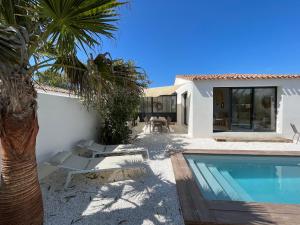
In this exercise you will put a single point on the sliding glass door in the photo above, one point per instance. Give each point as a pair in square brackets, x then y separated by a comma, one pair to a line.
[241, 106]
[264, 114]
[245, 109]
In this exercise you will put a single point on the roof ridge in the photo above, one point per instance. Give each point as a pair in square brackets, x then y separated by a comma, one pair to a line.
[236, 76]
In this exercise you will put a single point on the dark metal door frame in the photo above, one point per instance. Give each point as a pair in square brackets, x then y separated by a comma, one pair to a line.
[252, 116]
[184, 108]
[251, 105]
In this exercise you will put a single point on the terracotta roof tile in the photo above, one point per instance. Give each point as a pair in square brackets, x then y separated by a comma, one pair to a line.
[238, 76]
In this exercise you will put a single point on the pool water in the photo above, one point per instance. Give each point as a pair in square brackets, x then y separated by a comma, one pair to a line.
[247, 178]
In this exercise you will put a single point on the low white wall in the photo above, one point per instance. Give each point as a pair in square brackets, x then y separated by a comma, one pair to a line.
[63, 121]
[288, 107]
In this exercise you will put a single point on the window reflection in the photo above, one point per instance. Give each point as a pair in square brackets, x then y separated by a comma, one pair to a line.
[161, 104]
[158, 104]
[264, 116]
[244, 109]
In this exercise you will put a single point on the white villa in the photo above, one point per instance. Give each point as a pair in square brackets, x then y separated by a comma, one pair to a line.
[229, 104]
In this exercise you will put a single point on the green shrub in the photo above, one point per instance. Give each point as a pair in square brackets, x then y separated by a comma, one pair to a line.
[120, 102]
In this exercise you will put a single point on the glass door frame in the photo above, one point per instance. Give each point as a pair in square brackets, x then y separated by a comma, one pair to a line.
[185, 108]
[252, 106]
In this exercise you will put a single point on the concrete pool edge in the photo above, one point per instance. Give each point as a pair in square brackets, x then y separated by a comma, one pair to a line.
[196, 210]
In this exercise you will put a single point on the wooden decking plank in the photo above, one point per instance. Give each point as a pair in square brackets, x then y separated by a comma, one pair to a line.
[249, 206]
[241, 152]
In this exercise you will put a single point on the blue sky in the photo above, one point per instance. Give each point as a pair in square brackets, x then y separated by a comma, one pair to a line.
[169, 37]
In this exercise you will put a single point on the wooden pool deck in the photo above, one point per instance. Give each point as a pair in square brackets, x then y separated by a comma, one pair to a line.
[198, 211]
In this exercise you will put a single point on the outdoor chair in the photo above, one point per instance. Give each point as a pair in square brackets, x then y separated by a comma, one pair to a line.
[147, 122]
[169, 120]
[296, 132]
[158, 125]
[131, 165]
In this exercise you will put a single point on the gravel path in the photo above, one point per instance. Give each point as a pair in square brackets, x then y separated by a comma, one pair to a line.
[148, 200]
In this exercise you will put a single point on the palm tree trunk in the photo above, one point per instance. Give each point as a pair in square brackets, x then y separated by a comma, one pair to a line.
[20, 194]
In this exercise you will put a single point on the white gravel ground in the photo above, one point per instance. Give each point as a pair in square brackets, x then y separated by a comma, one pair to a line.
[148, 200]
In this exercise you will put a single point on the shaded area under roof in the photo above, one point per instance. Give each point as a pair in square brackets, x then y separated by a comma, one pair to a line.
[158, 91]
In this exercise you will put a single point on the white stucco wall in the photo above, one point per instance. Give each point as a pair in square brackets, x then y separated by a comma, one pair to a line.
[186, 88]
[180, 81]
[201, 109]
[63, 121]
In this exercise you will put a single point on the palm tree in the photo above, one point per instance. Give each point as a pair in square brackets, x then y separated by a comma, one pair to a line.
[36, 34]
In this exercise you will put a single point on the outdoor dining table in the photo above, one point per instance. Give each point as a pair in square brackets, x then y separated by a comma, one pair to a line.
[159, 120]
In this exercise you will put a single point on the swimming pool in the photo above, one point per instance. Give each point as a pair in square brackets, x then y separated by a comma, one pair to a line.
[247, 178]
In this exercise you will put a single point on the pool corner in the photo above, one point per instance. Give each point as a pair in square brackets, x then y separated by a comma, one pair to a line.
[197, 210]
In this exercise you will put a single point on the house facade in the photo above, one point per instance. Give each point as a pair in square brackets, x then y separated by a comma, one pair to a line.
[229, 104]
[239, 103]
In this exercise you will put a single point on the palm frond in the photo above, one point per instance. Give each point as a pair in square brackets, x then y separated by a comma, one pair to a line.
[52, 32]
[13, 48]
[78, 23]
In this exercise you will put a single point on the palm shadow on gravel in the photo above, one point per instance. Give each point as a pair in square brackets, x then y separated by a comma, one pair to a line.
[151, 199]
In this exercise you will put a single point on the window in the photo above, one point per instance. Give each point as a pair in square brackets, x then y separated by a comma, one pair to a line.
[167, 104]
[241, 108]
[145, 106]
[158, 104]
[264, 115]
[173, 104]
[161, 104]
[148, 108]
[244, 109]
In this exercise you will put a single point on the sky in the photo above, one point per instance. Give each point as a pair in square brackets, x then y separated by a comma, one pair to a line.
[170, 37]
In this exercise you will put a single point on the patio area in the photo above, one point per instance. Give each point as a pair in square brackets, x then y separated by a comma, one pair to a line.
[149, 200]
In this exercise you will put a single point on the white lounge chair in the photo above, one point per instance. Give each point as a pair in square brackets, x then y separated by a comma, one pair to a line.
[81, 165]
[94, 150]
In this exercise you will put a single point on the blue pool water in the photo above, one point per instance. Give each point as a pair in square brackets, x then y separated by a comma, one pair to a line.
[247, 178]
